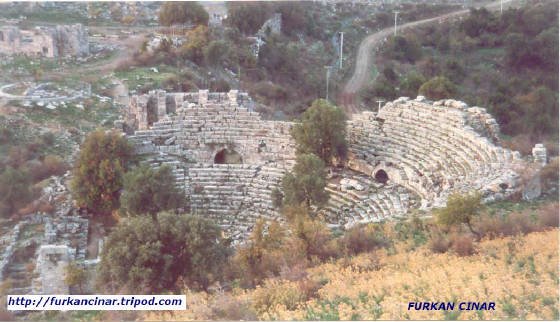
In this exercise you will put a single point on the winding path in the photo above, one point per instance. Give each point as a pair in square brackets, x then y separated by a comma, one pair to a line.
[348, 99]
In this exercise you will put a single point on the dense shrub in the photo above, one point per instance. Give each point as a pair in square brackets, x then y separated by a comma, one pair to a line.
[410, 84]
[227, 307]
[438, 88]
[171, 13]
[146, 256]
[315, 238]
[462, 245]
[52, 165]
[548, 215]
[147, 191]
[495, 226]
[215, 52]
[247, 17]
[362, 238]
[220, 85]
[403, 49]
[439, 243]
[549, 174]
[460, 209]
[269, 92]
[193, 49]
[274, 293]
[262, 255]
[15, 191]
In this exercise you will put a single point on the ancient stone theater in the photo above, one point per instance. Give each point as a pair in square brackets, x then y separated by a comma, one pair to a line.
[411, 154]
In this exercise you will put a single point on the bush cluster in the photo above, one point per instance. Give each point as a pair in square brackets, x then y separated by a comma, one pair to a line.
[27, 162]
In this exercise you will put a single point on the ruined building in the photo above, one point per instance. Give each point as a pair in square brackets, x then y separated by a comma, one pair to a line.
[412, 154]
[59, 41]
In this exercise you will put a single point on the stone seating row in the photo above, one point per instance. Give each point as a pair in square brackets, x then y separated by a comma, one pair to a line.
[376, 202]
[233, 195]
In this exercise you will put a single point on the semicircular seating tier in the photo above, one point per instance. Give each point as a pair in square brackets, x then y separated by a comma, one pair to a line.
[432, 148]
[224, 156]
[412, 154]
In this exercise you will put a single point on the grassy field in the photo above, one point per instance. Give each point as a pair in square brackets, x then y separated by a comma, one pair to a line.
[51, 15]
[144, 77]
[88, 116]
[519, 274]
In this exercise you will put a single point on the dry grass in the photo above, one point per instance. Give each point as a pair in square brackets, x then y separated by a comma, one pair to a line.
[515, 272]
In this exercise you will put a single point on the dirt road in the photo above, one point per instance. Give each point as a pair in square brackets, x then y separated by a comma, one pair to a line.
[349, 97]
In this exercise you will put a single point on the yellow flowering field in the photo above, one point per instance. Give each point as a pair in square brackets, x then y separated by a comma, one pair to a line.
[519, 274]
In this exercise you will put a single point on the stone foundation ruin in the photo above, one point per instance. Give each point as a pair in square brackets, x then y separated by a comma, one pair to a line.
[411, 154]
[58, 41]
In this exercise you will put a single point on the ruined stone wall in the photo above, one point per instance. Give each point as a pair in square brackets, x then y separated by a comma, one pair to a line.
[143, 110]
[199, 133]
[70, 40]
[271, 26]
[62, 40]
[187, 131]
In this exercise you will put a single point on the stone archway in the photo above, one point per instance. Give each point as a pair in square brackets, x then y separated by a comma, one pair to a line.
[381, 176]
[226, 156]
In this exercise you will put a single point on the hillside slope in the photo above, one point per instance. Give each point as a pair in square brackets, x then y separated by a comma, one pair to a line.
[519, 274]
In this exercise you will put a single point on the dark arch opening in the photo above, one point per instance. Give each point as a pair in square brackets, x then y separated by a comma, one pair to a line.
[381, 176]
[226, 156]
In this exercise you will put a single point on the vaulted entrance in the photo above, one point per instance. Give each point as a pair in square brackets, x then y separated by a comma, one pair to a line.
[381, 176]
[226, 156]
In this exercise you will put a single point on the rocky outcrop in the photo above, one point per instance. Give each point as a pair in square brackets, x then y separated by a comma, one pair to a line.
[58, 41]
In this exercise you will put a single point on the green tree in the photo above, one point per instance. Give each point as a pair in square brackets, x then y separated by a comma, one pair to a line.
[75, 276]
[460, 209]
[215, 52]
[15, 190]
[193, 48]
[306, 183]
[148, 191]
[294, 18]
[547, 43]
[438, 88]
[404, 49]
[247, 17]
[411, 83]
[541, 107]
[146, 258]
[99, 171]
[180, 12]
[281, 58]
[519, 52]
[454, 70]
[383, 89]
[478, 22]
[322, 131]
[390, 74]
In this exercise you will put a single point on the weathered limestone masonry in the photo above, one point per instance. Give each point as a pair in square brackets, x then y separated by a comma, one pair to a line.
[59, 41]
[51, 266]
[194, 133]
[412, 154]
[433, 149]
[271, 26]
[539, 154]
